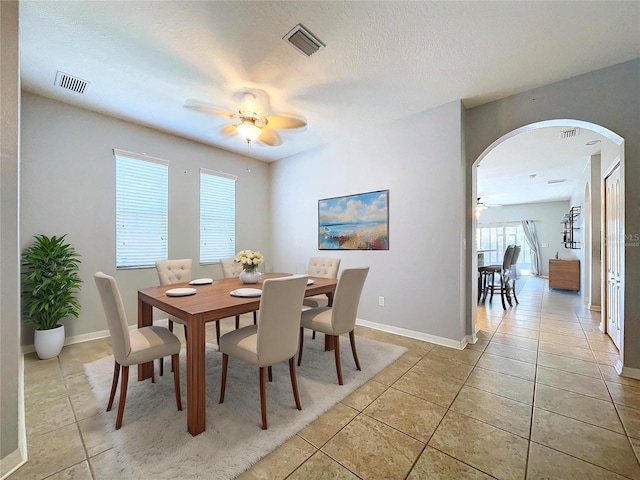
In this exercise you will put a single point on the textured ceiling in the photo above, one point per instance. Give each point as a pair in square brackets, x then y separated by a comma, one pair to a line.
[383, 61]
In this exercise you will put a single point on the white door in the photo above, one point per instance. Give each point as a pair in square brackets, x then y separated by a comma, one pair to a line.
[613, 245]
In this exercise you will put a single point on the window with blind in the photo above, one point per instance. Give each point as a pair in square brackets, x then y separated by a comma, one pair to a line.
[142, 204]
[496, 237]
[217, 216]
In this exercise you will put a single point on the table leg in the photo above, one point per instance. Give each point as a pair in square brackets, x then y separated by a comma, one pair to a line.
[196, 392]
[145, 319]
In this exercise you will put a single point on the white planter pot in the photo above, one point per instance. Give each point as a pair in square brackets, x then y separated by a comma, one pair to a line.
[250, 277]
[49, 343]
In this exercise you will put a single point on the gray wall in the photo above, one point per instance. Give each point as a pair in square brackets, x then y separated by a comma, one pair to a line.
[609, 98]
[10, 255]
[68, 187]
[422, 274]
[546, 217]
[588, 197]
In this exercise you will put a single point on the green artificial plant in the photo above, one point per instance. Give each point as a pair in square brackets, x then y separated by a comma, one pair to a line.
[50, 281]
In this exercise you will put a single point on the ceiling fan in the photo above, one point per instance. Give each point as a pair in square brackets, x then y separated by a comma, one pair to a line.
[480, 205]
[249, 121]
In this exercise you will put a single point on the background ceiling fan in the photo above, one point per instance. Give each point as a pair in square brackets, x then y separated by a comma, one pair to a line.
[250, 120]
[480, 205]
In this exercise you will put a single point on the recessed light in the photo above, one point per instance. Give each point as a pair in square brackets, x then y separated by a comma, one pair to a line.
[533, 175]
[558, 180]
[592, 142]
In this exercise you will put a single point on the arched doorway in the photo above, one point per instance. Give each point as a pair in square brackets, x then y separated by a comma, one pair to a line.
[611, 149]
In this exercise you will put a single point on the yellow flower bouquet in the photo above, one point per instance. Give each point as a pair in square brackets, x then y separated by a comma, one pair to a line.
[249, 260]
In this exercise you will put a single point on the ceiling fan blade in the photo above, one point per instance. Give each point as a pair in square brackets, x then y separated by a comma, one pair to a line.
[269, 137]
[282, 121]
[194, 104]
[228, 130]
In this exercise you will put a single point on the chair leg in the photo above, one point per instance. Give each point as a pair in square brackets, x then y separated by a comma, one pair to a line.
[513, 289]
[237, 322]
[301, 343]
[161, 360]
[218, 332]
[502, 290]
[114, 385]
[175, 366]
[313, 335]
[223, 382]
[123, 396]
[493, 283]
[255, 317]
[337, 355]
[185, 332]
[352, 339]
[294, 382]
[270, 373]
[263, 399]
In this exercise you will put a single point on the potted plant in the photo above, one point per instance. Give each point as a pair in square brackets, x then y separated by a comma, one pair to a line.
[50, 281]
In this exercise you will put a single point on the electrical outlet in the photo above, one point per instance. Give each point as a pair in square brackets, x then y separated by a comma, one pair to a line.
[381, 301]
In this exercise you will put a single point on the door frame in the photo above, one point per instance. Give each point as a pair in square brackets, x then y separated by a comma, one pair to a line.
[603, 292]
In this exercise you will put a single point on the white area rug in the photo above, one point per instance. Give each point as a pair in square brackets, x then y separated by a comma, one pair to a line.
[154, 443]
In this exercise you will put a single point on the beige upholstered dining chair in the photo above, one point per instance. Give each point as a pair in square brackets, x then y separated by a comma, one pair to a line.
[231, 269]
[133, 347]
[325, 268]
[174, 271]
[170, 272]
[273, 340]
[339, 319]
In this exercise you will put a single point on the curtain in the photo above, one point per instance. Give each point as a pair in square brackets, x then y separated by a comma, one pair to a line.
[532, 239]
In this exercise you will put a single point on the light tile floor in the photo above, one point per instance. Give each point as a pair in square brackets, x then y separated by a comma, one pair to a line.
[536, 397]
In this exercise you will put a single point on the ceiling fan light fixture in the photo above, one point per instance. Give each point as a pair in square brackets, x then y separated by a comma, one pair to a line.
[248, 130]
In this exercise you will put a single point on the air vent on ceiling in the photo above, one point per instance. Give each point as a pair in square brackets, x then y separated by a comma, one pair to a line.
[75, 84]
[303, 40]
[574, 132]
[558, 180]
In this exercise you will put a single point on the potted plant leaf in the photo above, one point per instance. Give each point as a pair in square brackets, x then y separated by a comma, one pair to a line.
[50, 281]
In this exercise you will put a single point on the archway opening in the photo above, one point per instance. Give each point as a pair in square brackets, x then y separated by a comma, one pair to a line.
[610, 146]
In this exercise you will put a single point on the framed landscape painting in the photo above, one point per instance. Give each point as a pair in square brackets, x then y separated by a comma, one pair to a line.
[354, 222]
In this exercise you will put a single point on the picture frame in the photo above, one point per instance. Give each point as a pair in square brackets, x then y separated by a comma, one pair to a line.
[354, 222]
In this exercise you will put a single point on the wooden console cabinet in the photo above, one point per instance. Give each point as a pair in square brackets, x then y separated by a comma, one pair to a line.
[564, 274]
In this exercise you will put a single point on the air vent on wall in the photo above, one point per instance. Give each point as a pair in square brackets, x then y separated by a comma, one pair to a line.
[574, 132]
[557, 180]
[303, 40]
[75, 84]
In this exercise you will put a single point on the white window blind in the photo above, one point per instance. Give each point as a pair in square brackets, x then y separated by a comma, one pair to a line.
[217, 216]
[142, 185]
[496, 237]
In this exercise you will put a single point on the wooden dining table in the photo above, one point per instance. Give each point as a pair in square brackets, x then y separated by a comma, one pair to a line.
[210, 303]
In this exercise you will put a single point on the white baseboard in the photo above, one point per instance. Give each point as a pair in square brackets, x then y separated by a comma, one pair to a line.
[79, 338]
[595, 308]
[11, 463]
[627, 371]
[445, 342]
[14, 460]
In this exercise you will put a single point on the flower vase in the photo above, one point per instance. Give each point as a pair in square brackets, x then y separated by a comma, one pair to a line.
[250, 276]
